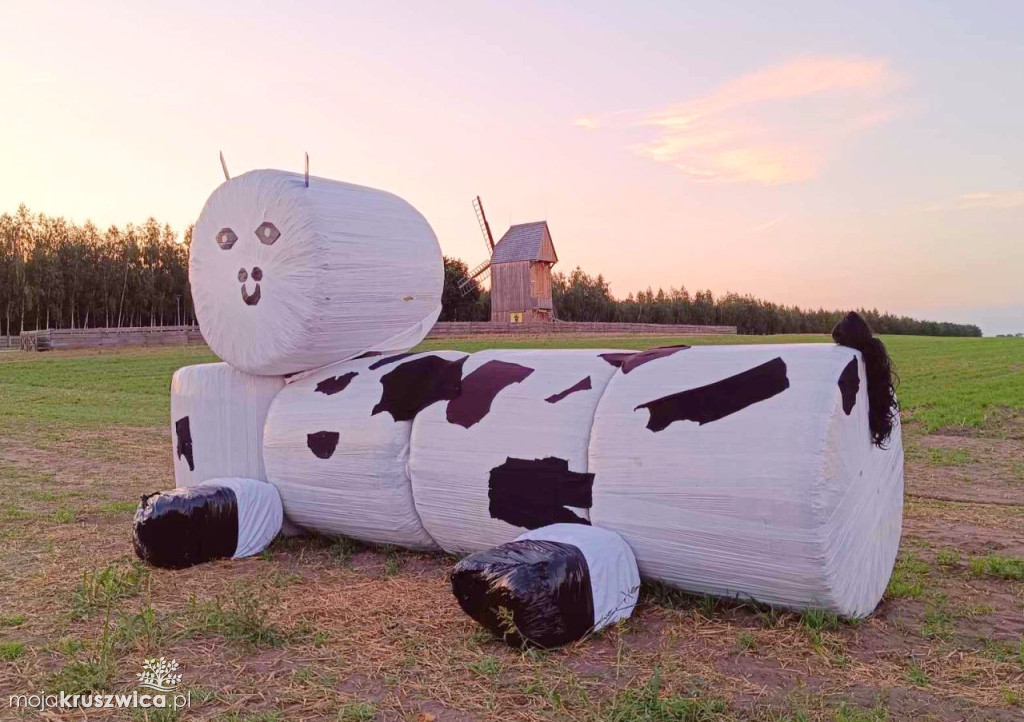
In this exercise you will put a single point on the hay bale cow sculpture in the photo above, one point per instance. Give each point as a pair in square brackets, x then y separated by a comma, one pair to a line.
[773, 473]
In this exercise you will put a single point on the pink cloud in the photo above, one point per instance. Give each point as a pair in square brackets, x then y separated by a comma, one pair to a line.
[772, 126]
[993, 200]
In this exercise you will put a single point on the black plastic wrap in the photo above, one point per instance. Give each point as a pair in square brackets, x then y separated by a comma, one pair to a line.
[544, 585]
[184, 527]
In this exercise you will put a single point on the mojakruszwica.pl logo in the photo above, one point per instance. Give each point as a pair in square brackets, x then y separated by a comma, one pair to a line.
[159, 675]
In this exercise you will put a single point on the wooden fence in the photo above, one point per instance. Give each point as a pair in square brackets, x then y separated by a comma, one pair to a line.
[458, 329]
[67, 338]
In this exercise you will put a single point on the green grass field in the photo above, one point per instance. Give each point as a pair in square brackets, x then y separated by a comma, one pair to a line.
[320, 628]
[945, 382]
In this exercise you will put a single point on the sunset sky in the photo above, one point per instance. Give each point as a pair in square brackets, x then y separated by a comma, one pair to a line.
[823, 154]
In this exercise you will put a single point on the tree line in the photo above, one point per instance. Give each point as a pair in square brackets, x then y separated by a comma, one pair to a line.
[58, 274]
[578, 296]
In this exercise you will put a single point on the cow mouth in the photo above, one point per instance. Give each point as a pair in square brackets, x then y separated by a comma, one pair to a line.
[251, 299]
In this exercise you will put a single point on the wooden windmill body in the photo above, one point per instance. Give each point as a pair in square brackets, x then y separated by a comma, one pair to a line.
[520, 271]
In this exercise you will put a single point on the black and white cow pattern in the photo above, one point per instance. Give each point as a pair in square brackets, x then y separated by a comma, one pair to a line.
[745, 480]
[464, 452]
[217, 419]
[337, 444]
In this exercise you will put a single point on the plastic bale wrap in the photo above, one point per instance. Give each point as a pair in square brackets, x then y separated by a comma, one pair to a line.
[341, 468]
[217, 417]
[551, 586]
[217, 519]
[287, 278]
[748, 471]
[510, 453]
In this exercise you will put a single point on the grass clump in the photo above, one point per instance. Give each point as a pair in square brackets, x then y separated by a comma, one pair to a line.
[999, 566]
[948, 557]
[949, 457]
[916, 676]
[64, 515]
[486, 667]
[242, 617]
[14, 620]
[84, 675]
[846, 713]
[10, 651]
[746, 642]
[648, 704]
[356, 712]
[938, 621]
[142, 632]
[156, 714]
[118, 507]
[104, 588]
[908, 577]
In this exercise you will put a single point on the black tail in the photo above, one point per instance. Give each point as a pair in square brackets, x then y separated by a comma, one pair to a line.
[853, 331]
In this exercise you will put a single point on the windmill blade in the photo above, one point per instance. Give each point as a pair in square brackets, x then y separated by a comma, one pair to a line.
[479, 269]
[481, 272]
[485, 227]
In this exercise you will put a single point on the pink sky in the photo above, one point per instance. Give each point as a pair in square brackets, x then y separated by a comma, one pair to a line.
[836, 158]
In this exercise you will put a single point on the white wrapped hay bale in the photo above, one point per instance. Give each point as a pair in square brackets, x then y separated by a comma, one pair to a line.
[217, 416]
[287, 278]
[336, 451]
[749, 471]
[510, 452]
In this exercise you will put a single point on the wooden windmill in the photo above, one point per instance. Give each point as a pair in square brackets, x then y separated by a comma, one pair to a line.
[520, 271]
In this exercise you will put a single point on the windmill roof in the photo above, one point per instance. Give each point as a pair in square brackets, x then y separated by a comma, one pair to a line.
[524, 242]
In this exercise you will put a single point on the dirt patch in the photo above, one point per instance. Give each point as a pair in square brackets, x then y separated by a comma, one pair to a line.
[966, 468]
[375, 631]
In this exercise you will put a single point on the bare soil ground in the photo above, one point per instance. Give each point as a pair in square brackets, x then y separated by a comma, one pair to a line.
[326, 629]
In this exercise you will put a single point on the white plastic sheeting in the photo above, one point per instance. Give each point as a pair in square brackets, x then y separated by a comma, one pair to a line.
[362, 488]
[259, 513]
[225, 411]
[614, 578]
[287, 278]
[451, 464]
[784, 500]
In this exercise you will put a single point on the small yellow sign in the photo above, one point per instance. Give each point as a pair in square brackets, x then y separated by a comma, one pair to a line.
[516, 317]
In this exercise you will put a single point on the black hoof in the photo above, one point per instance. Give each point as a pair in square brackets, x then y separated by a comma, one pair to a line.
[530, 592]
[183, 527]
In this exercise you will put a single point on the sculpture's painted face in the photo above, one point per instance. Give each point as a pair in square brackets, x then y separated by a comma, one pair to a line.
[268, 234]
[288, 277]
[250, 268]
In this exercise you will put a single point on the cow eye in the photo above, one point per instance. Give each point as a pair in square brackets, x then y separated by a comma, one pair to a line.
[267, 233]
[226, 238]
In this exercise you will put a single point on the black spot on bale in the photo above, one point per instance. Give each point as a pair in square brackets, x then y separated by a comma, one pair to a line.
[183, 431]
[480, 388]
[390, 360]
[720, 399]
[335, 384]
[532, 493]
[849, 385]
[629, 361]
[416, 384]
[581, 385]
[323, 443]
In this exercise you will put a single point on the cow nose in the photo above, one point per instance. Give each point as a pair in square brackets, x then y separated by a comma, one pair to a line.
[257, 273]
[242, 275]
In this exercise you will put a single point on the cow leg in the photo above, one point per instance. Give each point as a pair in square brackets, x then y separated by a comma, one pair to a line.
[551, 586]
[217, 519]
